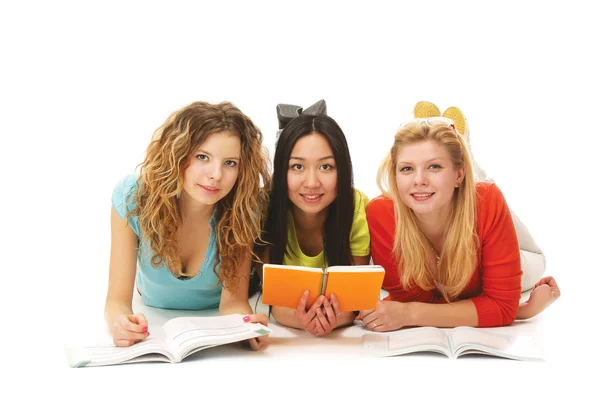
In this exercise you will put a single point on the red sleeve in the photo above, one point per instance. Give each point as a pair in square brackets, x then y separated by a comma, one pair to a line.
[382, 228]
[500, 260]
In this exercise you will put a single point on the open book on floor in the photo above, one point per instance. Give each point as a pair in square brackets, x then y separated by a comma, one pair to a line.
[174, 341]
[357, 287]
[453, 343]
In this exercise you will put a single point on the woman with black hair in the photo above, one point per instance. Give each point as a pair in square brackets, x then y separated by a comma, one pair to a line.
[316, 217]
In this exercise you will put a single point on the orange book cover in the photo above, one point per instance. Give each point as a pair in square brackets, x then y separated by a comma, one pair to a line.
[357, 287]
[284, 285]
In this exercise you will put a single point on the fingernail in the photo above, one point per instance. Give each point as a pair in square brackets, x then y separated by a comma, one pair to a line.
[246, 319]
[147, 333]
[145, 329]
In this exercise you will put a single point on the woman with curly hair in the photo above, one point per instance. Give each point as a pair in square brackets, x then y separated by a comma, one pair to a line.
[189, 220]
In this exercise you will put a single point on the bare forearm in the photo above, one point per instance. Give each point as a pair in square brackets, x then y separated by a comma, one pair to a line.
[114, 308]
[345, 319]
[235, 307]
[286, 316]
[525, 311]
[461, 313]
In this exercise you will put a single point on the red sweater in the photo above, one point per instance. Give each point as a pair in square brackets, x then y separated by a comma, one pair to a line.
[494, 288]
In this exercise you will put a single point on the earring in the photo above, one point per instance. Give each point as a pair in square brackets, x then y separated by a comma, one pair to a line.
[178, 196]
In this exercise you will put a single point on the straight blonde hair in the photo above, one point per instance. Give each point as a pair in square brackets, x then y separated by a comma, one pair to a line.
[459, 255]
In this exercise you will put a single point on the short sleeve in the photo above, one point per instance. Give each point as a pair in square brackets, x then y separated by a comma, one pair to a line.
[360, 239]
[123, 200]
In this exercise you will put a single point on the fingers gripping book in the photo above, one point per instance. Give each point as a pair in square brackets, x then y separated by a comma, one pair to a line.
[357, 287]
[173, 342]
[452, 343]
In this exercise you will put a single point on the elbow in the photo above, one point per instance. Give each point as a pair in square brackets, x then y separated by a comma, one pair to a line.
[508, 313]
[493, 313]
[276, 314]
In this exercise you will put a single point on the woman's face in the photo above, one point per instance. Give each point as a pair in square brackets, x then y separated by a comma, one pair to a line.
[312, 174]
[213, 168]
[426, 177]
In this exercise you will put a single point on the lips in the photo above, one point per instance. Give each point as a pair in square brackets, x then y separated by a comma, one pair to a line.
[422, 196]
[209, 189]
[311, 196]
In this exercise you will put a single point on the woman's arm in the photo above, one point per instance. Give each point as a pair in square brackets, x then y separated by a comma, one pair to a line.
[545, 292]
[126, 328]
[361, 260]
[393, 315]
[235, 301]
[449, 315]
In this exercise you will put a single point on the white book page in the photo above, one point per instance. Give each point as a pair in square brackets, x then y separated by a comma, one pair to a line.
[186, 335]
[294, 267]
[411, 340]
[467, 340]
[109, 354]
[355, 268]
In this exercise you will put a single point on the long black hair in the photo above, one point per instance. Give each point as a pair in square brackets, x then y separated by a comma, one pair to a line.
[338, 223]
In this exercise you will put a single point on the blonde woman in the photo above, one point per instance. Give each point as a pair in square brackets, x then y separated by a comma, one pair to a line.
[189, 220]
[533, 260]
[447, 242]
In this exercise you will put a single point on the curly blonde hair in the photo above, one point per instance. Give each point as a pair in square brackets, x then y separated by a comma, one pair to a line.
[459, 255]
[239, 214]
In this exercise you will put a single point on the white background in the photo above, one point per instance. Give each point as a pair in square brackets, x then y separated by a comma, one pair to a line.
[84, 84]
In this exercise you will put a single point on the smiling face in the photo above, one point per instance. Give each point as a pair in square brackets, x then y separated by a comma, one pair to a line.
[426, 178]
[213, 168]
[312, 174]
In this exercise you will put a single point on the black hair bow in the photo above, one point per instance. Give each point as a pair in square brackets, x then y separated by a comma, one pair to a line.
[287, 112]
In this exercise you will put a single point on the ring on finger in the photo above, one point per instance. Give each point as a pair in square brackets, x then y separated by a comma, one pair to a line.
[375, 324]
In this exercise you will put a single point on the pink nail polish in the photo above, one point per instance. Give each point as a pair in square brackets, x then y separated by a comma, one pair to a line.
[145, 329]
[246, 319]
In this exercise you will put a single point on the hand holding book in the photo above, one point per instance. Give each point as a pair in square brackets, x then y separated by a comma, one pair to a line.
[127, 330]
[320, 318]
[175, 340]
[259, 342]
[356, 287]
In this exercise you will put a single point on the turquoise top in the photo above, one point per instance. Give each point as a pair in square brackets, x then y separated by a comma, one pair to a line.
[158, 286]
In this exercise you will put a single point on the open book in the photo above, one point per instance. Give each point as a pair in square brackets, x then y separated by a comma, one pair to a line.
[453, 343]
[357, 287]
[174, 341]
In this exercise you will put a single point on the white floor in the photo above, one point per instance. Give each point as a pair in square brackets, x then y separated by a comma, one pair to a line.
[298, 365]
[84, 85]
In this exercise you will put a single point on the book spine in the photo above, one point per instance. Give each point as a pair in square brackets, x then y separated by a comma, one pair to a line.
[324, 282]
